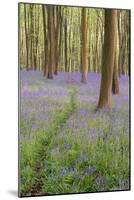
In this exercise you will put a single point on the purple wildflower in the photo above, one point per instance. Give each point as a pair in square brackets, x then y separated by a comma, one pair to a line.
[64, 171]
[88, 170]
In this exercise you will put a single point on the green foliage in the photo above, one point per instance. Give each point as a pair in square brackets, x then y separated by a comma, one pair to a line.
[28, 179]
[34, 152]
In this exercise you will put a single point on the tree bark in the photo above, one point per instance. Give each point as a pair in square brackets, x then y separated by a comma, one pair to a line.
[57, 34]
[31, 36]
[65, 43]
[115, 84]
[26, 35]
[84, 66]
[45, 67]
[105, 98]
[51, 43]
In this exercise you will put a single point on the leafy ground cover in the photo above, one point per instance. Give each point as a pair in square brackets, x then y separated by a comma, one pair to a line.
[67, 147]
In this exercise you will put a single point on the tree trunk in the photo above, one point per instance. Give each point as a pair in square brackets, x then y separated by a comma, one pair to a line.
[26, 35]
[36, 36]
[84, 66]
[31, 36]
[105, 99]
[65, 44]
[115, 84]
[57, 44]
[51, 45]
[45, 67]
[96, 46]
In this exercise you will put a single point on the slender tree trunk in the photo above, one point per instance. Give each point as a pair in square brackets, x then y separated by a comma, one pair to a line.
[31, 36]
[84, 66]
[115, 84]
[128, 41]
[21, 49]
[119, 36]
[122, 41]
[60, 42]
[26, 35]
[45, 67]
[36, 36]
[96, 47]
[105, 99]
[57, 34]
[51, 45]
[65, 45]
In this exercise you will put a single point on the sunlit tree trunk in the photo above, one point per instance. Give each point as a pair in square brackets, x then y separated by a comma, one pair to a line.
[115, 83]
[108, 58]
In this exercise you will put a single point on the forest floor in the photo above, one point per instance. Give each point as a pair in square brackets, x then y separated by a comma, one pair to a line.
[65, 146]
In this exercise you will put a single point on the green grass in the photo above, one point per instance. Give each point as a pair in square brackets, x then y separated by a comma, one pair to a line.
[34, 152]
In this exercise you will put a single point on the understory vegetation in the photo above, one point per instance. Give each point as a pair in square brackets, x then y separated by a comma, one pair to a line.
[67, 147]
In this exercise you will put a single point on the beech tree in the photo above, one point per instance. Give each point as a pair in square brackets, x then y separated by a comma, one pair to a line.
[45, 63]
[51, 42]
[108, 59]
[84, 60]
[115, 83]
[57, 35]
[26, 36]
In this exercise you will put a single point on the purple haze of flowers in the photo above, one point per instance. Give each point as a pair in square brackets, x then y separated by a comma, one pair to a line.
[87, 137]
[83, 112]
[107, 138]
[34, 85]
[43, 116]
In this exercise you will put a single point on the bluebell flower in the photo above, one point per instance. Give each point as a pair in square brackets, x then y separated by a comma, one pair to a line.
[64, 171]
[88, 170]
